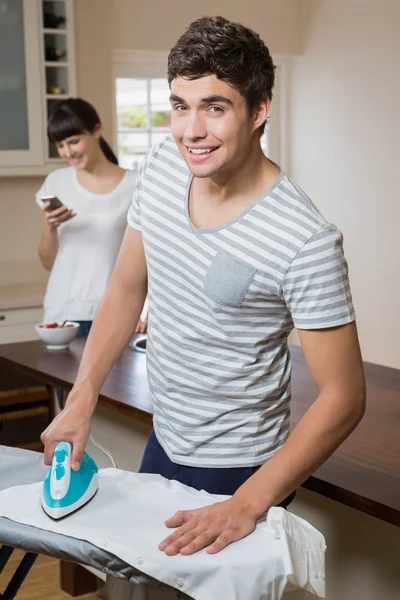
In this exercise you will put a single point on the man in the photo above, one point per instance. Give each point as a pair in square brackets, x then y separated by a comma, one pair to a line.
[232, 255]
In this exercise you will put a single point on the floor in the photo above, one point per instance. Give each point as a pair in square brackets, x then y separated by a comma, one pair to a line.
[42, 582]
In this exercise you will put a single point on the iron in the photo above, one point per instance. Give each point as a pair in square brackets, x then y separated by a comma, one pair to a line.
[65, 490]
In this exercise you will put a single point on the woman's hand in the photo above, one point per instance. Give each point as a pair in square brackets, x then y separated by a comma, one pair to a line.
[141, 327]
[54, 218]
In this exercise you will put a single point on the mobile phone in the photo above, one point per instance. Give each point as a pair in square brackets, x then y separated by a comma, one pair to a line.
[54, 202]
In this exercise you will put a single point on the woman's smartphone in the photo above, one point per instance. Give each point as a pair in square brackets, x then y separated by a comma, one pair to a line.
[54, 202]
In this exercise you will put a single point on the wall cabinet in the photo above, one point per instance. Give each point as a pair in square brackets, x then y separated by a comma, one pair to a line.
[37, 68]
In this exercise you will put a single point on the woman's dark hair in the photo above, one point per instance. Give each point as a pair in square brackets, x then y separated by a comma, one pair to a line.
[232, 52]
[75, 116]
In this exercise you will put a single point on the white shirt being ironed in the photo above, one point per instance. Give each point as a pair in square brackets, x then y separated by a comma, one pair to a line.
[126, 518]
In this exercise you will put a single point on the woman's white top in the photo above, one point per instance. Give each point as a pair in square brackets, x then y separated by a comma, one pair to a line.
[88, 244]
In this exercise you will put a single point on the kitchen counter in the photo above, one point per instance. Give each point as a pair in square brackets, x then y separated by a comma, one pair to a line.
[363, 473]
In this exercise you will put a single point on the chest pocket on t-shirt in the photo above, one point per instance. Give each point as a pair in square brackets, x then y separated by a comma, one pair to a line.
[228, 279]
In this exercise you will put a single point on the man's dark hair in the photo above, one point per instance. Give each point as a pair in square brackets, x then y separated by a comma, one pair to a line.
[232, 52]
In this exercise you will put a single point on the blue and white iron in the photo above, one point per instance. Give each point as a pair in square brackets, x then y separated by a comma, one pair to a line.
[65, 490]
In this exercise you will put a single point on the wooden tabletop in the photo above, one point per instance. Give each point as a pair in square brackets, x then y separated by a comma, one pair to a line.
[363, 473]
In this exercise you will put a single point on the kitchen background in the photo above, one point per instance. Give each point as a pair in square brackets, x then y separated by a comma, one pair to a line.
[335, 129]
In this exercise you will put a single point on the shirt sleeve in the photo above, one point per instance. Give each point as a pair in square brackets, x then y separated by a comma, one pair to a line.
[316, 286]
[134, 219]
[43, 191]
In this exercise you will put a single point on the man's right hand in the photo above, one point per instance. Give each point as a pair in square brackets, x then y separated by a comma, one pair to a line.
[72, 425]
[121, 306]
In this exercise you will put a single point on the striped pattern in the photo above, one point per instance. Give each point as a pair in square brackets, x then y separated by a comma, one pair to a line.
[218, 361]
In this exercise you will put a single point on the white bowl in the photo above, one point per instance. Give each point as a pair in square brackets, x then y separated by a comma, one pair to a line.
[58, 338]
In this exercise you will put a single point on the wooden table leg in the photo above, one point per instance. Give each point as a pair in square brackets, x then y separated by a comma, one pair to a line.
[76, 580]
[52, 402]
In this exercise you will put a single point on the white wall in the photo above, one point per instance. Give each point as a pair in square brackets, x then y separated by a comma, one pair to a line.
[344, 102]
[124, 437]
[94, 43]
[155, 25]
[345, 132]
[362, 557]
[20, 226]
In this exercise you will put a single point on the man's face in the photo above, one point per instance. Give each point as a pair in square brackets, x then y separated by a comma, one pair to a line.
[211, 125]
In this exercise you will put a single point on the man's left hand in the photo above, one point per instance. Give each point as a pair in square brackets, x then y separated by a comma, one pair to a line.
[212, 527]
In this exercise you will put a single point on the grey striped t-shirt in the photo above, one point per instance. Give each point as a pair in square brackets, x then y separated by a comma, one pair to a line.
[222, 303]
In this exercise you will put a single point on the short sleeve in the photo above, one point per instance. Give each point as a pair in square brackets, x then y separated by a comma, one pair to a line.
[43, 191]
[134, 219]
[316, 286]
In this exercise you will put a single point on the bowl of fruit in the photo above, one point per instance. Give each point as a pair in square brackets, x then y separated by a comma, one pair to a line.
[57, 335]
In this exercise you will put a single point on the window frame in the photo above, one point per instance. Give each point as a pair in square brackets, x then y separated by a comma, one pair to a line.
[149, 129]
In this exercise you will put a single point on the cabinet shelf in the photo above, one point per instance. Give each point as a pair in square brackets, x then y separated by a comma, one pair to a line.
[55, 31]
[59, 75]
[56, 63]
[56, 96]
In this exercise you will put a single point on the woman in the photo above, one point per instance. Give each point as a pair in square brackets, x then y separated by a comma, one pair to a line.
[81, 239]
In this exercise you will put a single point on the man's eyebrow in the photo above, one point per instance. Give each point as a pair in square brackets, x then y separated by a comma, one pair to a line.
[175, 98]
[206, 100]
[216, 98]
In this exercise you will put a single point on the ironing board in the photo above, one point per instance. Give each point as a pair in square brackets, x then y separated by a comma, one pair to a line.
[285, 554]
[22, 467]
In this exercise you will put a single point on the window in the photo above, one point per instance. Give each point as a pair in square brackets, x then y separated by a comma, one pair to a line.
[143, 115]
